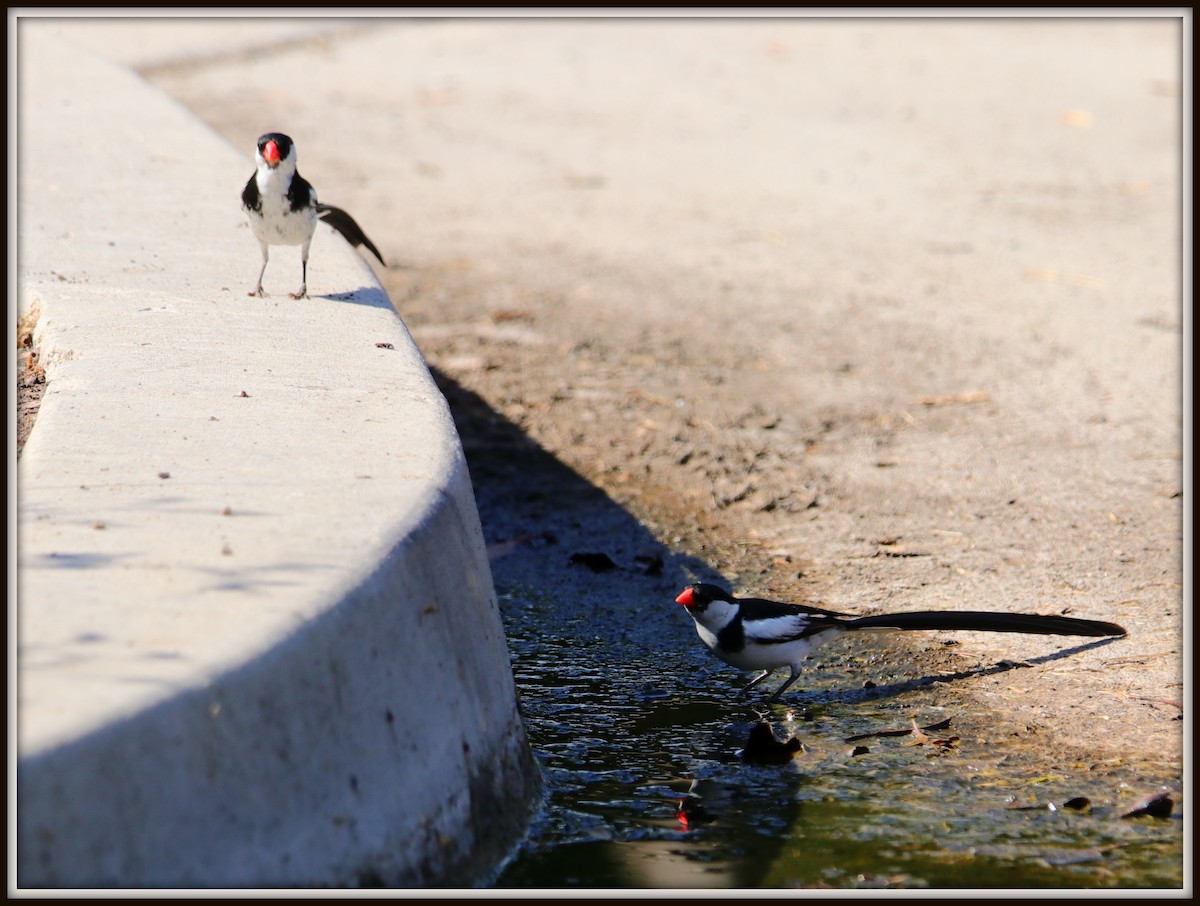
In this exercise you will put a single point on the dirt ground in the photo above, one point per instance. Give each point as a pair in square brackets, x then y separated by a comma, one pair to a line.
[31, 380]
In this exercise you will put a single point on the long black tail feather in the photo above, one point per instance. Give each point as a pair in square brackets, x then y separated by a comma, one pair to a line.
[988, 622]
[348, 227]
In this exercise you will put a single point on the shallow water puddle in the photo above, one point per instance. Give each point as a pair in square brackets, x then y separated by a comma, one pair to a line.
[641, 749]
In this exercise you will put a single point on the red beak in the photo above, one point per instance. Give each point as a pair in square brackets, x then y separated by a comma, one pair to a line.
[270, 153]
[687, 597]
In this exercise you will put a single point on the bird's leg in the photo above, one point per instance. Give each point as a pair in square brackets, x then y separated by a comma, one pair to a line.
[758, 679]
[258, 290]
[791, 679]
[302, 292]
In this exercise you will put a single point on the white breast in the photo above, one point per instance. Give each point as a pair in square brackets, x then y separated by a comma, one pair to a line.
[278, 224]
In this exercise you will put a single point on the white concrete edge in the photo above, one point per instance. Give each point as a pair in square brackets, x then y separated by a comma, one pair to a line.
[283, 664]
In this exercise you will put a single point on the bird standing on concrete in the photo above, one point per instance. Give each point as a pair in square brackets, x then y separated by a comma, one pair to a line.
[282, 208]
[757, 634]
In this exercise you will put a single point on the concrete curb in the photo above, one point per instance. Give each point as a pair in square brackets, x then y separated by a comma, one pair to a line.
[259, 643]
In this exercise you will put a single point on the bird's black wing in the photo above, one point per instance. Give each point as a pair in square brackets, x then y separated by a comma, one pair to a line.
[251, 199]
[348, 227]
[300, 194]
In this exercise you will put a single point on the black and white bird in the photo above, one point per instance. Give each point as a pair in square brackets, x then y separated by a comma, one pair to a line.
[757, 634]
[282, 208]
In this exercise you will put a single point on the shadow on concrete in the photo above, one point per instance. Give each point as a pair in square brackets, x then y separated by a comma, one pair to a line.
[372, 296]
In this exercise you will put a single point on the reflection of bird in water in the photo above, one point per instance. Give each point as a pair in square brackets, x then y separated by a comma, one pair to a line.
[691, 814]
[706, 799]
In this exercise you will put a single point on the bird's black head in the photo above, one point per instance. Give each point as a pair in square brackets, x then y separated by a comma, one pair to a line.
[700, 595]
[274, 147]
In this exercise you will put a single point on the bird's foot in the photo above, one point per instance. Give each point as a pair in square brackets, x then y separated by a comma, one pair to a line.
[301, 293]
[257, 291]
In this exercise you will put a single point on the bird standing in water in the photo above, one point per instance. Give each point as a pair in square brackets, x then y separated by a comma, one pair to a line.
[757, 634]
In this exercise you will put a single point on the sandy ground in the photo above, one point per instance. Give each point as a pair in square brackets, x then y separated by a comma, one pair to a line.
[870, 314]
[31, 379]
